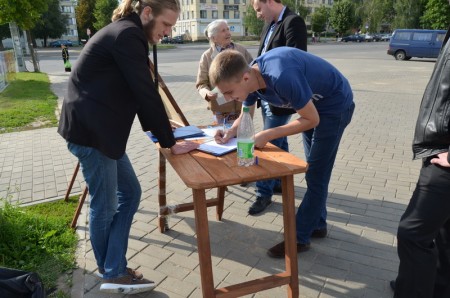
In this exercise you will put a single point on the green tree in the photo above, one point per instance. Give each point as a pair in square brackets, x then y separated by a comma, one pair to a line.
[4, 33]
[407, 13]
[436, 15]
[25, 13]
[252, 23]
[342, 16]
[319, 19]
[103, 12]
[386, 13]
[297, 7]
[85, 17]
[52, 24]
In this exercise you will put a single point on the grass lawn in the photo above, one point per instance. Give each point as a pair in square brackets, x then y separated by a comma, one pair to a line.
[38, 238]
[27, 103]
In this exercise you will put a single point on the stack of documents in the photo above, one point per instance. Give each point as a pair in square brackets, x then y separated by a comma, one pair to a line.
[206, 136]
[181, 133]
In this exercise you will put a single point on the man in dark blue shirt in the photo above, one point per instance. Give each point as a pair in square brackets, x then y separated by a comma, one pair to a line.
[322, 97]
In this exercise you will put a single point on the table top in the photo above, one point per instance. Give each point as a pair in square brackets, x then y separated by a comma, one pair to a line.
[200, 170]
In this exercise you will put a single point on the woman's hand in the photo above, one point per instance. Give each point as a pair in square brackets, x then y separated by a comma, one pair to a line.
[441, 160]
[183, 147]
[211, 95]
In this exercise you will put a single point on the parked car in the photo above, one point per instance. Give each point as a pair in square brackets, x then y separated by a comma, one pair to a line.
[354, 37]
[59, 42]
[368, 37]
[166, 40]
[178, 39]
[376, 37]
[386, 37]
[408, 43]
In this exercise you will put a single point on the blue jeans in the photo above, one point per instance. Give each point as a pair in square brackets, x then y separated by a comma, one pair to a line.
[115, 194]
[321, 145]
[264, 188]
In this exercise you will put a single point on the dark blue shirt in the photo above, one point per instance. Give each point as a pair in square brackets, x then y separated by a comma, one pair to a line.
[293, 77]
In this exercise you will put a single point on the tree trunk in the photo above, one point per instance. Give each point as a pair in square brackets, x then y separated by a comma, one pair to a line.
[33, 52]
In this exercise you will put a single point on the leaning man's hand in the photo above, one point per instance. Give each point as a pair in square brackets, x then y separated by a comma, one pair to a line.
[441, 160]
[183, 147]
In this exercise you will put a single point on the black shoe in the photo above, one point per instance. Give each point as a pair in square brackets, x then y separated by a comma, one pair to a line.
[259, 205]
[319, 233]
[392, 284]
[278, 251]
[277, 189]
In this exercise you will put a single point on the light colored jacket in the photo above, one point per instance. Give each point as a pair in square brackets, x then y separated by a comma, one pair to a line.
[203, 85]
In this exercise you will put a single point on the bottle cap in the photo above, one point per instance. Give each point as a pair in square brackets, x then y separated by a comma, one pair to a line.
[246, 109]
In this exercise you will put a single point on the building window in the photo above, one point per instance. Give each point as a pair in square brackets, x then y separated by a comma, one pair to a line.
[66, 9]
[226, 1]
[192, 14]
[236, 1]
[214, 1]
[203, 14]
[236, 14]
[215, 14]
[202, 1]
[226, 14]
[188, 15]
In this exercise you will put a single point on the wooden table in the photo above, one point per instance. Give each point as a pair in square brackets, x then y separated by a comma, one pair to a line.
[201, 171]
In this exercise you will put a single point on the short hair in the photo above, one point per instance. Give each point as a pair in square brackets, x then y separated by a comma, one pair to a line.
[211, 29]
[227, 66]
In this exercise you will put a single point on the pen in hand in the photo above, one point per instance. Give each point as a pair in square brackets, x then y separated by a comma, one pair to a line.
[220, 137]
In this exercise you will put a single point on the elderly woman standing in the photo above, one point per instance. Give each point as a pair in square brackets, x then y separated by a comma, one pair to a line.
[219, 36]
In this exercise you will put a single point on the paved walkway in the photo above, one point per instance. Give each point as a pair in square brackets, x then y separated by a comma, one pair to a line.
[370, 187]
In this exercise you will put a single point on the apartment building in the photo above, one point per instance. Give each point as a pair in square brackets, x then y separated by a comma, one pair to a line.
[68, 9]
[197, 14]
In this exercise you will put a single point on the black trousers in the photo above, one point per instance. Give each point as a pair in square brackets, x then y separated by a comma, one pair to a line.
[424, 237]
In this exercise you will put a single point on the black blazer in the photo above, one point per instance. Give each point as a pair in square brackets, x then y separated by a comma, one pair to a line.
[108, 86]
[291, 32]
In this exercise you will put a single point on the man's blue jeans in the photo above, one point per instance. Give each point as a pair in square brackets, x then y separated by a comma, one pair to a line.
[321, 145]
[115, 194]
[264, 188]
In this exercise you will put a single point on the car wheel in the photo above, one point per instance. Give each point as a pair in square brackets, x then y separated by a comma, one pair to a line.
[400, 55]
[408, 58]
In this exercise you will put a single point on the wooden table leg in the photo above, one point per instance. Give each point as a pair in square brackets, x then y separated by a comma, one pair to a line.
[163, 223]
[290, 236]
[203, 244]
[72, 180]
[81, 200]
[220, 203]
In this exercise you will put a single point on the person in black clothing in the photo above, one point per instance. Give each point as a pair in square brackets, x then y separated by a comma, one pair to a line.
[283, 27]
[65, 56]
[65, 53]
[111, 84]
[424, 230]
